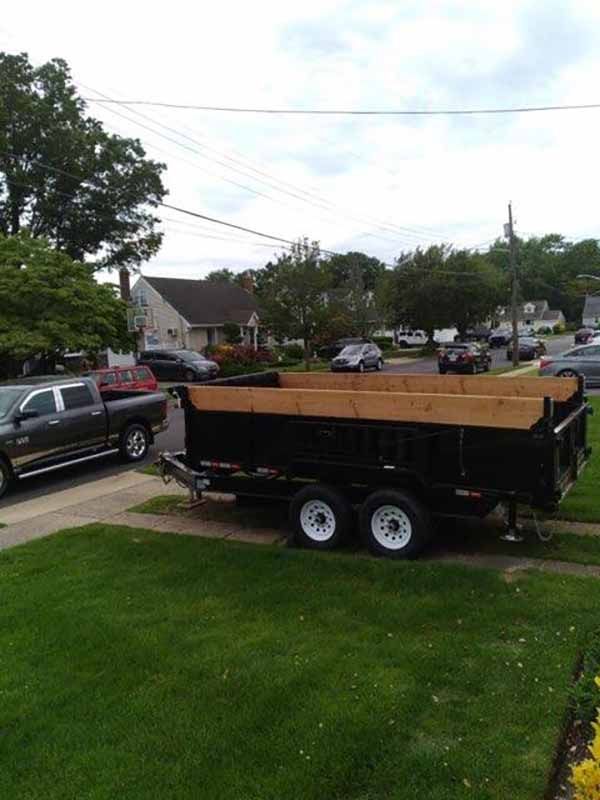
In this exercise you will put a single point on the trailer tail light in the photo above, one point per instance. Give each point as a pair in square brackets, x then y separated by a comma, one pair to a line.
[467, 493]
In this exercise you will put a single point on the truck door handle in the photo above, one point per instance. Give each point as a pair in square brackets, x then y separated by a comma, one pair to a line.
[54, 422]
[95, 413]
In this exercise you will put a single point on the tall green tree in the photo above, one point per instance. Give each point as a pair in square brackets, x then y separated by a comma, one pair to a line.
[293, 295]
[64, 178]
[50, 304]
[346, 266]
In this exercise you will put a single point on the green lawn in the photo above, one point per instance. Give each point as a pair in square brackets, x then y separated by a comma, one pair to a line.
[561, 547]
[144, 666]
[583, 501]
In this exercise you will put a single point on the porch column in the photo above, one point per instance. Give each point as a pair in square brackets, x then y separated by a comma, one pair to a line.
[255, 337]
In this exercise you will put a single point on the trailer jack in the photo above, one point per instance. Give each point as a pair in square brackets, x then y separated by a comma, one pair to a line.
[513, 529]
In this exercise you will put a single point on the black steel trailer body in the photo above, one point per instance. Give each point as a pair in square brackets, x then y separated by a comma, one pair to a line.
[420, 468]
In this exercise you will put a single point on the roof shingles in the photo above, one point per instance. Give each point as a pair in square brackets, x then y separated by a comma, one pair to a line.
[204, 303]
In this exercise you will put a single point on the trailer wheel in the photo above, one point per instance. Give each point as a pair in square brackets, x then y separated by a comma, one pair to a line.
[320, 517]
[395, 524]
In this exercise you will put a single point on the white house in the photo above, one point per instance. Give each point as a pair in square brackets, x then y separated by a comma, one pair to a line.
[591, 312]
[534, 314]
[180, 313]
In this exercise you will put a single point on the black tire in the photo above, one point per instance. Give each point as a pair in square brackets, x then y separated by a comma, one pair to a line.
[5, 477]
[442, 370]
[189, 376]
[361, 366]
[567, 373]
[393, 523]
[473, 370]
[135, 442]
[379, 365]
[320, 517]
[403, 345]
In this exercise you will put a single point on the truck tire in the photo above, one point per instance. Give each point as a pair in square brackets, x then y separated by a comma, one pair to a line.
[320, 517]
[5, 477]
[135, 442]
[395, 524]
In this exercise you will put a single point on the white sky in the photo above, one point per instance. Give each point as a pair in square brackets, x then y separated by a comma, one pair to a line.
[429, 179]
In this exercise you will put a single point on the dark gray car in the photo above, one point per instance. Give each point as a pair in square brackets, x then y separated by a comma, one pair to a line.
[583, 360]
[179, 365]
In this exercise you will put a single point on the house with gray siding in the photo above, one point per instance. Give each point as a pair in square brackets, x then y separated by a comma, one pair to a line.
[181, 313]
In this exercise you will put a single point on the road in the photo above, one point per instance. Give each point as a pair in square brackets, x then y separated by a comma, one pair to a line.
[172, 439]
[554, 344]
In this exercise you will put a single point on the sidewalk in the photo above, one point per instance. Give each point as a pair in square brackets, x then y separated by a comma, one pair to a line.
[108, 499]
[97, 501]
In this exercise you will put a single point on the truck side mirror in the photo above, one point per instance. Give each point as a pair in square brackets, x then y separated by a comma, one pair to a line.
[31, 413]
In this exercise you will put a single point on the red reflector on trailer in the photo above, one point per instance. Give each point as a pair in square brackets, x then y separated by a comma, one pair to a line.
[469, 494]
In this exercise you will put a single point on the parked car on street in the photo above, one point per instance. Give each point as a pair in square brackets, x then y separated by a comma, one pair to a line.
[46, 424]
[358, 357]
[583, 361]
[467, 357]
[410, 337]
[499, 337]
[329, 351]
[179, 365]
[584, 335]
[129, 378]
[530, 348]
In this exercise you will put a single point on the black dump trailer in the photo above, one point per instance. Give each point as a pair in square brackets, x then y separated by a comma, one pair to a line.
[403, 449]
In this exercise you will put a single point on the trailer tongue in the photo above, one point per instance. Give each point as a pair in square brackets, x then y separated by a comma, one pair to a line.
[403, 448]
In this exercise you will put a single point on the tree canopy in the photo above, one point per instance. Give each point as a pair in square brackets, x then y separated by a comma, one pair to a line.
[50, 304]
[64, 178]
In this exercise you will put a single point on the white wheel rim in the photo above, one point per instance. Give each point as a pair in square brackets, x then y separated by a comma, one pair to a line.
[136, 444]
[317, 520]
[391, 527]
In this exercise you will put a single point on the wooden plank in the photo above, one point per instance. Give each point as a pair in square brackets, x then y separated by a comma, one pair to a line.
[558, 388]
[518, 413]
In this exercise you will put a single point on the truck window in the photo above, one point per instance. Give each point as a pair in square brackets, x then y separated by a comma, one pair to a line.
[77, 396]
[43, 402]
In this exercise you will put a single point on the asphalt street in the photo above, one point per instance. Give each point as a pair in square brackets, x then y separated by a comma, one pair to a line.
[172, 439]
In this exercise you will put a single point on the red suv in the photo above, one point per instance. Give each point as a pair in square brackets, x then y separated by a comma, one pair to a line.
[138, 378]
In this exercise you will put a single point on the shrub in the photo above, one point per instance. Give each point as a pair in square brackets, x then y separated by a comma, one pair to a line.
[383, 341]
[545, 331]
[293, 352]
[585, 776]
[558, 328]
[229, 369]
[585, 693]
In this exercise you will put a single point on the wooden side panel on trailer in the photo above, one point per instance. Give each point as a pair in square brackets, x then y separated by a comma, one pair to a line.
[516, 413]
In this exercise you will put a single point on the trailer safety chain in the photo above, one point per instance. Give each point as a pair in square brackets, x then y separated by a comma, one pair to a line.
[543, 537]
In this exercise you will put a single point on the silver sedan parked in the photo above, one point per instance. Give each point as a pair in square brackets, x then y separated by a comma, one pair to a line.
[583, 360]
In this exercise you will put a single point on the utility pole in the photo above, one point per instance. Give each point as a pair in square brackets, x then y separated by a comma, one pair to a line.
[514, 292]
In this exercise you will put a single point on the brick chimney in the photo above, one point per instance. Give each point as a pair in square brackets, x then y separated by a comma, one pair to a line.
[124, 282]
[248, 282]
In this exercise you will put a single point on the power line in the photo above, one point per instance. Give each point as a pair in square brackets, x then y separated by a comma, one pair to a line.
[310, 197]
[351, 112]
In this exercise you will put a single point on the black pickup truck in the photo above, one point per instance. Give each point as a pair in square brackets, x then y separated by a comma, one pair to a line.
[46, 424]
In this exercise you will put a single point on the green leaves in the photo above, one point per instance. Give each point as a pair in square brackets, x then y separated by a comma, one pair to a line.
[50, 303]
[64, 178]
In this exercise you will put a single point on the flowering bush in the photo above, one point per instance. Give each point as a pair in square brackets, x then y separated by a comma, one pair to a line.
[241, 354]
[585, 776]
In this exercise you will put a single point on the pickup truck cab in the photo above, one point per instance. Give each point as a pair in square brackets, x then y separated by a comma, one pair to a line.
[46, 424]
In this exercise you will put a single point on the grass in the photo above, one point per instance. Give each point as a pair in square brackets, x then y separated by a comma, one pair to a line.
[151, 469]
[161, 504]
[169, 666]
[583, 501]
[561, 547]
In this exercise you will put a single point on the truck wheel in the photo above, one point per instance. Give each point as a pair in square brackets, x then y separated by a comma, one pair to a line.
[135, 442]
[5, 477]
[320, 517]
[395, 524]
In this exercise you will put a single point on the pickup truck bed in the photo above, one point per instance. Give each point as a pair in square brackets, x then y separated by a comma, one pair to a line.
[452, 445]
